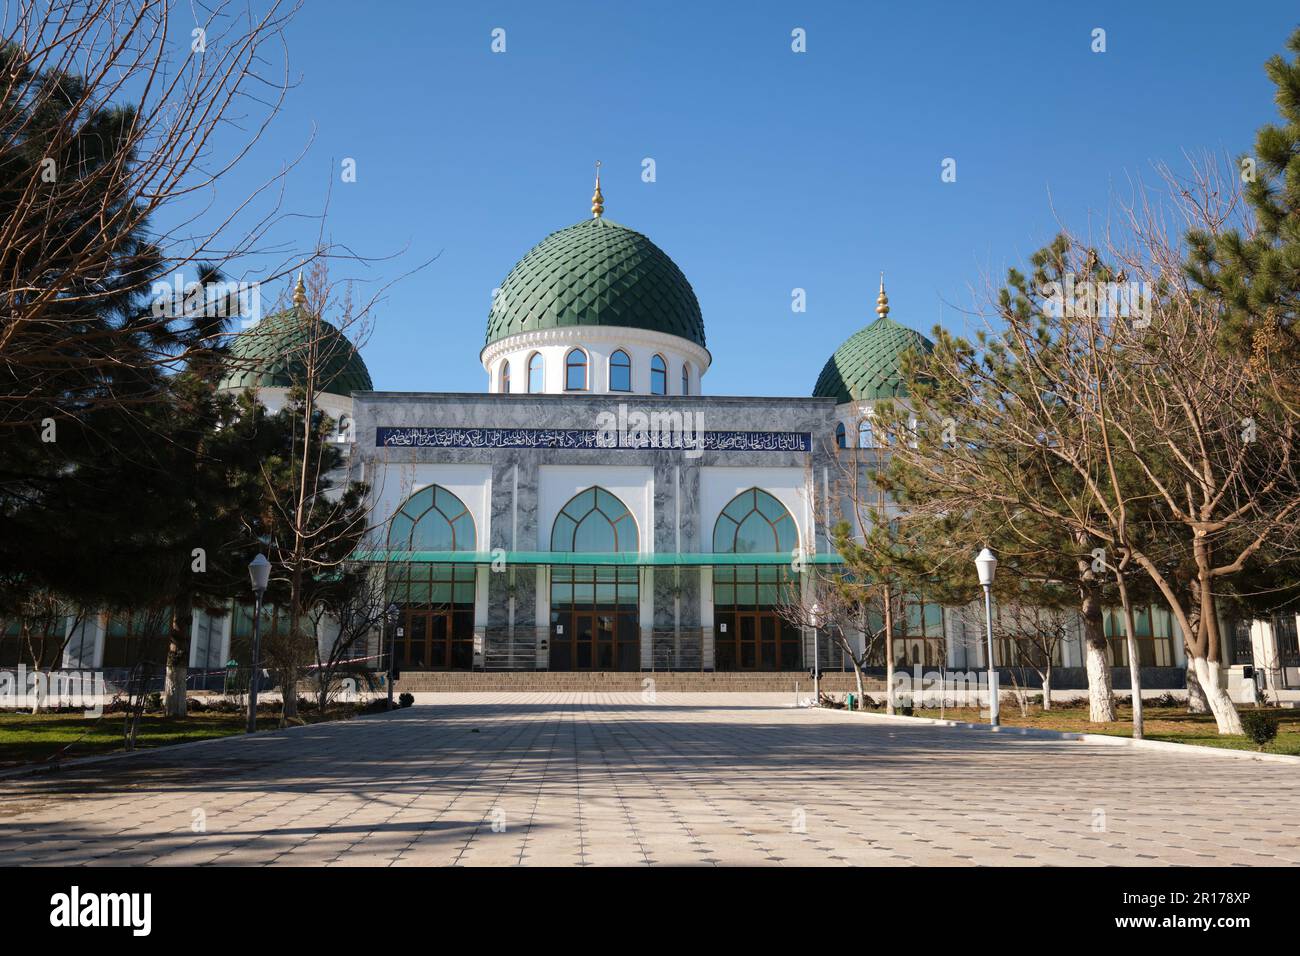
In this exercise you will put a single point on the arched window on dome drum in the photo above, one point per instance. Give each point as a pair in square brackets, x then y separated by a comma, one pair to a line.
[658, 375]
[841, 437]
[865, 438]
[594, 608]
[575, 370]
[535, 378]
[505, 376]
[686, 378]
[749, 631]
[620, 372]
[436, 600]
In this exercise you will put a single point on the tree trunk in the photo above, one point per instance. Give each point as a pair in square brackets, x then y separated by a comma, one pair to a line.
[1047, 687]
[1207, 668]
[1216, 696]
[289, 703]
[889, 648]
[1101, 694]
[1197, 703]
[178, 657]
[325, 677]
[1130, 642]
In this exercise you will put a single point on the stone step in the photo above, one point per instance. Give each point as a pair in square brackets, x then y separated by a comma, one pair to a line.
[608, 681]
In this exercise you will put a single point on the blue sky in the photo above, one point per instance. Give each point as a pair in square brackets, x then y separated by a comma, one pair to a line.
[775, 170]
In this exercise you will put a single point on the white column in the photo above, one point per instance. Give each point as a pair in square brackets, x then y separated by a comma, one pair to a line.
[707, 654]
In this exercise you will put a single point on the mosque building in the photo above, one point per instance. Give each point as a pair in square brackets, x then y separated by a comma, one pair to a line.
[594, 509]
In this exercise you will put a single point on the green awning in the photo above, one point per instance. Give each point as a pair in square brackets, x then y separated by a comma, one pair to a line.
[629, 558]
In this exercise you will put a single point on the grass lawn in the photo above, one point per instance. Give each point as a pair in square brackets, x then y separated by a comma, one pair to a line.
[1160, 723]
[27, 738]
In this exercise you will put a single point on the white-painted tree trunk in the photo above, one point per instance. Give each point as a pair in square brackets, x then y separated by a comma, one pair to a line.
[38, 701]
[1101, 695]
[174, 683]
[1047, 691]
[1197, 703]
[1220, 704]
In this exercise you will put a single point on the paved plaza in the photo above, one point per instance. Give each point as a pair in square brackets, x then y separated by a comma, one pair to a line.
[608, 779]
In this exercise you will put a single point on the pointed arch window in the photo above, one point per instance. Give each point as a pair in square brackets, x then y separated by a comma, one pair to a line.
[841, 436]
[658, 375]
[536, 381]
[575, 371]
[865, 437]
[686, 378]
[620, 372]
[505, 376]
[594, 521]
[754, 523]
[432, 519]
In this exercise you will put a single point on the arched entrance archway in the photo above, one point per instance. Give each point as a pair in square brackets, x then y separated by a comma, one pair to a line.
[748, 633]
[436, 599]
[594, 607]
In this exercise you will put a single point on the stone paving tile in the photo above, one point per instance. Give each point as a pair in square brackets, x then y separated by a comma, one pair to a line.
[587, 779]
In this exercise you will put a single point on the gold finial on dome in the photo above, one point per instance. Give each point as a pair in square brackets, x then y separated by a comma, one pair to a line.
[882, 300]
[597, 200]
[299, 291]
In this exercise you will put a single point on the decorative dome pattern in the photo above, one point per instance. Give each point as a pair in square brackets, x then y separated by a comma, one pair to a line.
[867, 367]
[596, 273]
[272, 354]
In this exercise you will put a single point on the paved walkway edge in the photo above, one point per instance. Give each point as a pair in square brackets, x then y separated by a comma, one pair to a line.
[1110, 739]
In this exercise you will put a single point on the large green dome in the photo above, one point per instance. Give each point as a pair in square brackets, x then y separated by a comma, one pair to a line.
[867, 367]
[271, 354]
[596, 273]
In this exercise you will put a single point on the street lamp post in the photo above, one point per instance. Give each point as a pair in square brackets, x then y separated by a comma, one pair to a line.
[392, 615]
[986, 564]
[259, 572]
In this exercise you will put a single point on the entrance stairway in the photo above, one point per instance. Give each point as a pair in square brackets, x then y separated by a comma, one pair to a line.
[735, 682]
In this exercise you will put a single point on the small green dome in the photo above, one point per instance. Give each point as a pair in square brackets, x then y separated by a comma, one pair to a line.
[867, 366]
[596, 273]
[271, 355]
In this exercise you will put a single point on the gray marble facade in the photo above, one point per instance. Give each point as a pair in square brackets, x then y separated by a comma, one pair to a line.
[678, 524]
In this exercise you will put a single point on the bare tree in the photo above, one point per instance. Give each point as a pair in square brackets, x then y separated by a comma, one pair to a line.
[315, 517]
[344, 621]
[1034, 637]
[113, 110]
[46, 624]
[841, 612]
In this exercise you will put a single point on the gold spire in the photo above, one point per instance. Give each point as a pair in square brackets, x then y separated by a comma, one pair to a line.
[299, 291]
[882, 300]
[597, 200]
